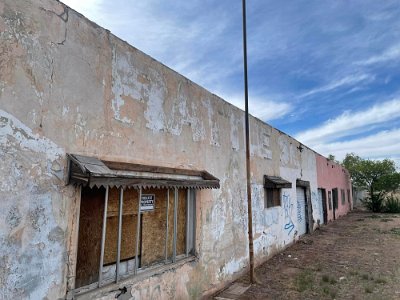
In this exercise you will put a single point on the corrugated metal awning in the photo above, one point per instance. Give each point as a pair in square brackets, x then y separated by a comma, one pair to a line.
[276, 182]
[91, 171]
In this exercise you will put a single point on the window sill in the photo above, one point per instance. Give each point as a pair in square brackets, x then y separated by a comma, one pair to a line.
[128, 280]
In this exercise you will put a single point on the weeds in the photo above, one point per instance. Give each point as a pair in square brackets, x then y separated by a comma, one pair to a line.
[353, 273]
[328, 279]
[395, 230]
[368, 289]
[374, 216]
[386, 220]
[392, 204]
[380, 203]
[304, 281]
[325, 278]
[381, 281]
[375, 202]
[327, 291]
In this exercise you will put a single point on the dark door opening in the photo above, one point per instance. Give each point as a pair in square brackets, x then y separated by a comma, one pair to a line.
[335, 196]
[324, 206]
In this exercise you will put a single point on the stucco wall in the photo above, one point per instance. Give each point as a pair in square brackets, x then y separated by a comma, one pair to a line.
[69, 86]
[332, 175]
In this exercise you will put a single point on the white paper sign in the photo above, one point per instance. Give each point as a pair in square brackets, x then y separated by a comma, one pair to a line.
[147, 202]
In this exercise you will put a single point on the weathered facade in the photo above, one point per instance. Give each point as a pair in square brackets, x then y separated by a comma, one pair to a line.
[69, 86]
[335, 187]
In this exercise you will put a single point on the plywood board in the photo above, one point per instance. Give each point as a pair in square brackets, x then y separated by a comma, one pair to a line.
[89, 237]
[129, 226]
[154, 229]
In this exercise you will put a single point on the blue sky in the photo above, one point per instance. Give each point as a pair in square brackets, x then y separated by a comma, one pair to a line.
[323, 71]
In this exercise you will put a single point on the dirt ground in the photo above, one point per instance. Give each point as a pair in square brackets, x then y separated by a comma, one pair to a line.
[355, 257]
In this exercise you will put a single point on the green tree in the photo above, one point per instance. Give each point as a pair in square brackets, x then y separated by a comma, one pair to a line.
[332, 157]
[377, 176]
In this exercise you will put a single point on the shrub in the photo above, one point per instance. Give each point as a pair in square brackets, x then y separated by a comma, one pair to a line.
[392, 204]
[375, 202]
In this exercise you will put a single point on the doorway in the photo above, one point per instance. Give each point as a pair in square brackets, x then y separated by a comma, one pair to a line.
[322, 199]
[302, 210]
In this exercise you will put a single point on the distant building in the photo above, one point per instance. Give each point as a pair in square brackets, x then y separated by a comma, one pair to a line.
[92, 129]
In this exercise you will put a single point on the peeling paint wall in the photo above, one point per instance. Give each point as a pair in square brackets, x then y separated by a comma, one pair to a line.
[69, 86]
[34, 212]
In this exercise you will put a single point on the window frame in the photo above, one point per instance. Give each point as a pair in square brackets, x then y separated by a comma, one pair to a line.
[276, 202]
[170, 261]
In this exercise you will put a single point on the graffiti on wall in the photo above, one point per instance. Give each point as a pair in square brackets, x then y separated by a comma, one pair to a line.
[287, 205]
[299, 212]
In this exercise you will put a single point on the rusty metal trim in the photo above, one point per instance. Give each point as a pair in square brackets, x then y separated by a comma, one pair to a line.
[276, 182]
[91, 171]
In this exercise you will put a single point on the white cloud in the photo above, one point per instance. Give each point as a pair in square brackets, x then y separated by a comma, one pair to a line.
[390, 54]
[350, 123]
[89, 8]
[382, 144]
[260, 107]
[345, 81]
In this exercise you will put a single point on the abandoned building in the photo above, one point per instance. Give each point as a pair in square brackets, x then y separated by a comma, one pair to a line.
[119, 176]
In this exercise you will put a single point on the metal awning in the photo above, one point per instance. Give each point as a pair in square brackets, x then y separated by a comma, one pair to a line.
[276, 182]
[91, 171]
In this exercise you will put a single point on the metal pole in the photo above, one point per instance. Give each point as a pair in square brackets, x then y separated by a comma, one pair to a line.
[103, 237]
[246, 96]
[175, 223]
[121, 199]
[138, 232]
[166, 236]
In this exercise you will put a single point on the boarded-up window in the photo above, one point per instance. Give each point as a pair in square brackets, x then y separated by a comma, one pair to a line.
[272, 197]
[129, 225]
[89, 239]
[158, 241]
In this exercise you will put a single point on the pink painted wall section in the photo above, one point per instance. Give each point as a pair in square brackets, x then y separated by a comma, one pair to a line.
[331, 175]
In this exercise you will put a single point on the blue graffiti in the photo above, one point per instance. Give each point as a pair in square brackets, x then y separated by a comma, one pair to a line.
[287, 205]
[289, 226]
[299, 215]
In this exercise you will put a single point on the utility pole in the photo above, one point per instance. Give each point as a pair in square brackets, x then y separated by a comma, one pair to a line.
[246, 97]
